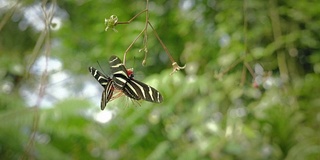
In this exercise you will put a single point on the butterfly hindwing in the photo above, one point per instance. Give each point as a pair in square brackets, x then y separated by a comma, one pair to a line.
[106, 95]
[130, 91]
[145, 91]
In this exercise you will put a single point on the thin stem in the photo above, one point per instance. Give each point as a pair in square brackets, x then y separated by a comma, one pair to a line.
[249, 69]
[162, 44]
[174, 64]
[143, 31]
[8, 15]
[36, 51]
[113, 22]
[244, 70]
[127, 50]
[277, 33]
[47, 20]
[134, 17]
[232, 66]
[145, 38]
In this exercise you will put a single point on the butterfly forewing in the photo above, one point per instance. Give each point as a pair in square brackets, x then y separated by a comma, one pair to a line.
[120, 75]
[107, 83]
[100, 77]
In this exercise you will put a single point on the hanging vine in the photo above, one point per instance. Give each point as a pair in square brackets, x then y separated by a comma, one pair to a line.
[112, 22]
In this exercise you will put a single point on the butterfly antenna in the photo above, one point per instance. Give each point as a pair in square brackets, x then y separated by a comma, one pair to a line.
[101, 68]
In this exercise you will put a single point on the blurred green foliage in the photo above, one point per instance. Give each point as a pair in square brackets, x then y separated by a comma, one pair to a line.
[250, 90]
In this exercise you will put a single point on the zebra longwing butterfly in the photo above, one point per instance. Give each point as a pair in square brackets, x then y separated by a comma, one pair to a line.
[129, 86]
[107, 83]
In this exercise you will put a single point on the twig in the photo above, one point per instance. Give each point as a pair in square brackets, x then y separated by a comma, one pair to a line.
[134, 17]
[175, 65]
[277, 33]
[127, 50]
[8, 15]
[113, 21]
[47, 19]
[145, 38]
[244, 71]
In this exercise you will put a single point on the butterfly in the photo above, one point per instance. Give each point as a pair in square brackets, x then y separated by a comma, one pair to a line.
[122, 82]
[129, 86]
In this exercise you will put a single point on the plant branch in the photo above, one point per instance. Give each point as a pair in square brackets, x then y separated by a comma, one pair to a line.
[276, 28]
[134, 41]
[8, 15]
[134, 17]
[113, 21]
[244, 70]
[145, 38]
[46, 33]
[175, 66]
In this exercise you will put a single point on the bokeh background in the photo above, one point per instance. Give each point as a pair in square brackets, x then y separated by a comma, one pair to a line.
[250, 89]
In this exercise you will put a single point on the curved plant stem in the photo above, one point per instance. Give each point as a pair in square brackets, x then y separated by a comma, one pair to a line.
[143, 31]
[8, 15]
[113, 21]
[175, 66]
[134, 17]
[276, 28]
[244, 71]
[127, 50]
[48, 15]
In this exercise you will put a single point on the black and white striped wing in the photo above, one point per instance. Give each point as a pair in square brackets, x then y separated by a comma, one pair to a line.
[143, 91]
[106, 95]
[100, 77]
[106, 83]
[119, 71]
